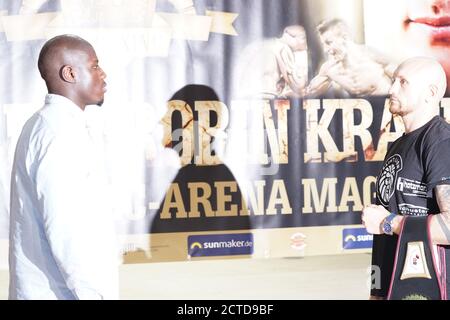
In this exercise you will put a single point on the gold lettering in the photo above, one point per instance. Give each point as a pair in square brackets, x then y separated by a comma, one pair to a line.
[350, 130]
[174, 191]
[328, 191]
[256, 199]
[206, 132]
[196, 199]
[187, 123]
[316, 129]
[256, 149]
[312, 153]
[315, 202]
[223, 199]
[278, 142]
[350, 193]
[278, 187]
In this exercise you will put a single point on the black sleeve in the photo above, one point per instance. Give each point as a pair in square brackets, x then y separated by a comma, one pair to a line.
[437, 164]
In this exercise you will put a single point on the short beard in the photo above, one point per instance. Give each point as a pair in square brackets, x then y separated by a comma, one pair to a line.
[100, 103]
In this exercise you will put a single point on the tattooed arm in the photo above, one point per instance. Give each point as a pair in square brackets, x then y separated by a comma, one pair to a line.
[440, 223]
[374, 215]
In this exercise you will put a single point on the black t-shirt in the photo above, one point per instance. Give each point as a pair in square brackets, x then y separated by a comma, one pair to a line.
[414, 164]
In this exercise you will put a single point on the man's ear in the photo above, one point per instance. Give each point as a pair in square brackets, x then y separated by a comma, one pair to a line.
[68, 74]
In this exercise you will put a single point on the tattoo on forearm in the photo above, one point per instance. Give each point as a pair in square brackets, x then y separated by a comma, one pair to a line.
[444, 224]
[443, 197]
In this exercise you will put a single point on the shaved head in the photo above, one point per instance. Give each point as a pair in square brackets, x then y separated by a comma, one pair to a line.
[56, 53]
[69, 66]
[418, 87]
[428, 71]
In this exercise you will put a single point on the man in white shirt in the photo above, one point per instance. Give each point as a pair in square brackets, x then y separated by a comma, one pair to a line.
[62, 237]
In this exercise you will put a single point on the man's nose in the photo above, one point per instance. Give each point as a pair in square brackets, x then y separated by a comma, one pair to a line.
[103, 74]
[393, 88]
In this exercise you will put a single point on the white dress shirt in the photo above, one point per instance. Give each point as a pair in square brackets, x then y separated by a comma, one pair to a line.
[62, 238]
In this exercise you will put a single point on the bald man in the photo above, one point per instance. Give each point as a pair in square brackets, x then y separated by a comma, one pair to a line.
[62, 237]
[415, 177]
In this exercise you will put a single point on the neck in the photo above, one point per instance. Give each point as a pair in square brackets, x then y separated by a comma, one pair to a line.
[415, 120]
[71, 96]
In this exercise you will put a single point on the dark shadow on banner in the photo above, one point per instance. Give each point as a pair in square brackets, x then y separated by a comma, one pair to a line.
[204, 193]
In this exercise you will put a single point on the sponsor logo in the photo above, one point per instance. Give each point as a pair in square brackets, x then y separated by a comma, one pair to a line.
[196, 245]
[387, 179]
[356, 238]
[298, 241]
[412, 187]
[407, 209]
[220, 244]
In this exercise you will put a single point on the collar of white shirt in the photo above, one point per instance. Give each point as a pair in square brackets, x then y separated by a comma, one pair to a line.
[69, 106]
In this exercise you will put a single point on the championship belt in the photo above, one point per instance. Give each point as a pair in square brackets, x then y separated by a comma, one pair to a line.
[416, 275]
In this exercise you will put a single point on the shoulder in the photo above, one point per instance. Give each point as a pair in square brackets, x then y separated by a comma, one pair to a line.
[54, 120]
[435, 141]
[51, 124]
[438, 131]
[34, 140]
[36, 127]
[39, 132]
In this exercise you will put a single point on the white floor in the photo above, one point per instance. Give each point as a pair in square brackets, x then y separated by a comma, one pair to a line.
[321, 277]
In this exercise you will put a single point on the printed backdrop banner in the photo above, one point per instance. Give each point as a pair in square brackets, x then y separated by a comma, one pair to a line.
[251, 128]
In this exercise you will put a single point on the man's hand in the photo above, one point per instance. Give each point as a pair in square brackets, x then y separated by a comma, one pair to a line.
[372, 217]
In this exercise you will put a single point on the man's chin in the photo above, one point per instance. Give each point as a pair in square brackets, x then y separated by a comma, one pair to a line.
[100, 103]
[393, 108]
